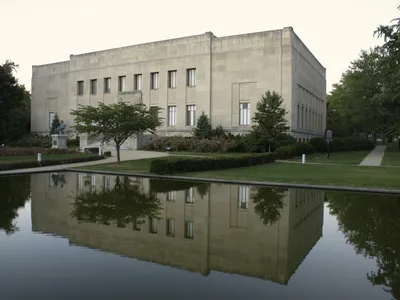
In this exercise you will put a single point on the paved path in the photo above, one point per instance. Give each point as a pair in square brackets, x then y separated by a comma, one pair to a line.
[374, 158]
[125, 155]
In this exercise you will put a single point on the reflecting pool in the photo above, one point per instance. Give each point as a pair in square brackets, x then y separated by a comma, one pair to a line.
[89, 236]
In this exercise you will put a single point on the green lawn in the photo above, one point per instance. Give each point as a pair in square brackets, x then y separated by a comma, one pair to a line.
[25, 158]
[392, 156]
[347, 158]
[336, 175]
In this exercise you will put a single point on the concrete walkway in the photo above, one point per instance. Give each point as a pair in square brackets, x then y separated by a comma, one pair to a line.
[125, 155]
[374, 158]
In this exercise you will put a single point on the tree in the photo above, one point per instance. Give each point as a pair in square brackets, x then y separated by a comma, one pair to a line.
[268, 203]
[14, 105]
[116, 122]
[270, 119]
[203, 128]
[55, 124]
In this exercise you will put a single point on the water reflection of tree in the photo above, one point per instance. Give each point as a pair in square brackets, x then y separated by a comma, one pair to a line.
[14, 192]
[165, 186]
[121, 205]
[268, 203]
[371, 223]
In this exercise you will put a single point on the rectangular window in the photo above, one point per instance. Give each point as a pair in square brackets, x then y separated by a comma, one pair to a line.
[52, 114]
[136, 225]
[171, 196]
[153, 225]
[80, 88]
[121, 83]
[137, 82]
[107, 183]
[298, 116]
[191, 115]
[154, 81]
[81, 183]
[302, 117]
[171, 115]
[93, 86]
[107, 85]
[189, 230]
[191, 77]
[172, 79]
[171, 227]
[244, 114]
[243, 196]
[189, 195]
[154, 111]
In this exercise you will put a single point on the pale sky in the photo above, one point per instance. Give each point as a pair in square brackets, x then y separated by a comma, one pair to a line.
[35, 32]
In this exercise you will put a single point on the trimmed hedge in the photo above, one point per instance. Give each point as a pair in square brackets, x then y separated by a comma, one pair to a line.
[287, 152]
[45, 163]
[342, 144]
[171, 165]
[34, 151]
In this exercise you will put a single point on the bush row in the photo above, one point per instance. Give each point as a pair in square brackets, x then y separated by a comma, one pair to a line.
[34, 151]
[342, 144]
[51, 162]
[40, 141]
[287, 152]
[172, 165]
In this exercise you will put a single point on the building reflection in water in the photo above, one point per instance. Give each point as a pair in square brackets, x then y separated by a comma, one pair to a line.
[254, 231]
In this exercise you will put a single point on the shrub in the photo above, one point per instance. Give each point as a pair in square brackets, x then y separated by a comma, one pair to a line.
[33, 151]
[73, 142]
[33, 140]
[94, 150]
[107, 154]
[287, 152]
[171, 165]
[53, 162]
[342, 144]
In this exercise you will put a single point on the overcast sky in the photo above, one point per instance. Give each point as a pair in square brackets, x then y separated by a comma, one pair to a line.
[35, 32]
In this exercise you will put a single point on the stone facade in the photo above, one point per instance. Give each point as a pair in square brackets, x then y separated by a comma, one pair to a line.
[222, 76]
[227, 234]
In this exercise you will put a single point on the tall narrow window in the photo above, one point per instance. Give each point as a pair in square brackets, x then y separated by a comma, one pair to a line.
[189, 195]
[191, 115]
[154, 81]
[52, 114]
[172, 79]
[93, 86]
[189, 229]
[121, 83]
[243, 196]
[244, 114]
[107, 85]
[306, 127]
[191, 77]
[80, 88]
[171, 227]
[107, 183]
[137, 82]
[298, 116]
[153, 225]
[302, 118]
[171, 115]
[171, 196]
[81, 183]
[136, 225]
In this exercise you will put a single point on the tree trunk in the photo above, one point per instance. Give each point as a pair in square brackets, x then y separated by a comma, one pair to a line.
[117, 147]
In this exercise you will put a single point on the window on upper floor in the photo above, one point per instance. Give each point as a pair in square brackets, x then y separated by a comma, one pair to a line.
[121, 83]
[243, 196]
[171, 227]
[107, 85]
[172, 115]
[189, 229]
[153, 225]
[80, 88]
[191, 77]
[93, 86]
[189, 195]
[137, 82]
[191, 115]
[172, 79]
[154, 84]
[244, 114]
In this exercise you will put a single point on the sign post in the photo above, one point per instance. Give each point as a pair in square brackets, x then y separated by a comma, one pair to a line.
[328, 139]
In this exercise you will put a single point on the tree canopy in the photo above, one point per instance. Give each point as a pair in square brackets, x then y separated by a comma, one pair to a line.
[116, 122]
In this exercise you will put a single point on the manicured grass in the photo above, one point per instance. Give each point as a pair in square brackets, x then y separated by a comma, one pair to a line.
[335, 175]
[392, 156]
[347, 158]
[28, 158]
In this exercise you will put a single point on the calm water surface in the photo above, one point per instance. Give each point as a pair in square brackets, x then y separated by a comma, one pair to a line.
[82, 236]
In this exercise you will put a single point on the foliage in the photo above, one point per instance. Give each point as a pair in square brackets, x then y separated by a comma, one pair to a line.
[342, 144]
[55, 124]
[34, 151]
[171, 165]
[44, 163]
[107, 154]
[15, 105]
[268, 203]
[269, 120]
[116, 122]
[32, 140]
[73, 142]
[203, 128]
[371, 224]
[287, 152]
[162, 186]
[122, 205]
[14, 191]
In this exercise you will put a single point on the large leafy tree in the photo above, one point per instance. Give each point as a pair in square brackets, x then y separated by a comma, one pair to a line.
[14, 105]
[116, 122]
[268, 203]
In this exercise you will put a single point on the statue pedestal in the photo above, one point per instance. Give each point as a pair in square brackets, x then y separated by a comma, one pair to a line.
[59, 141]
